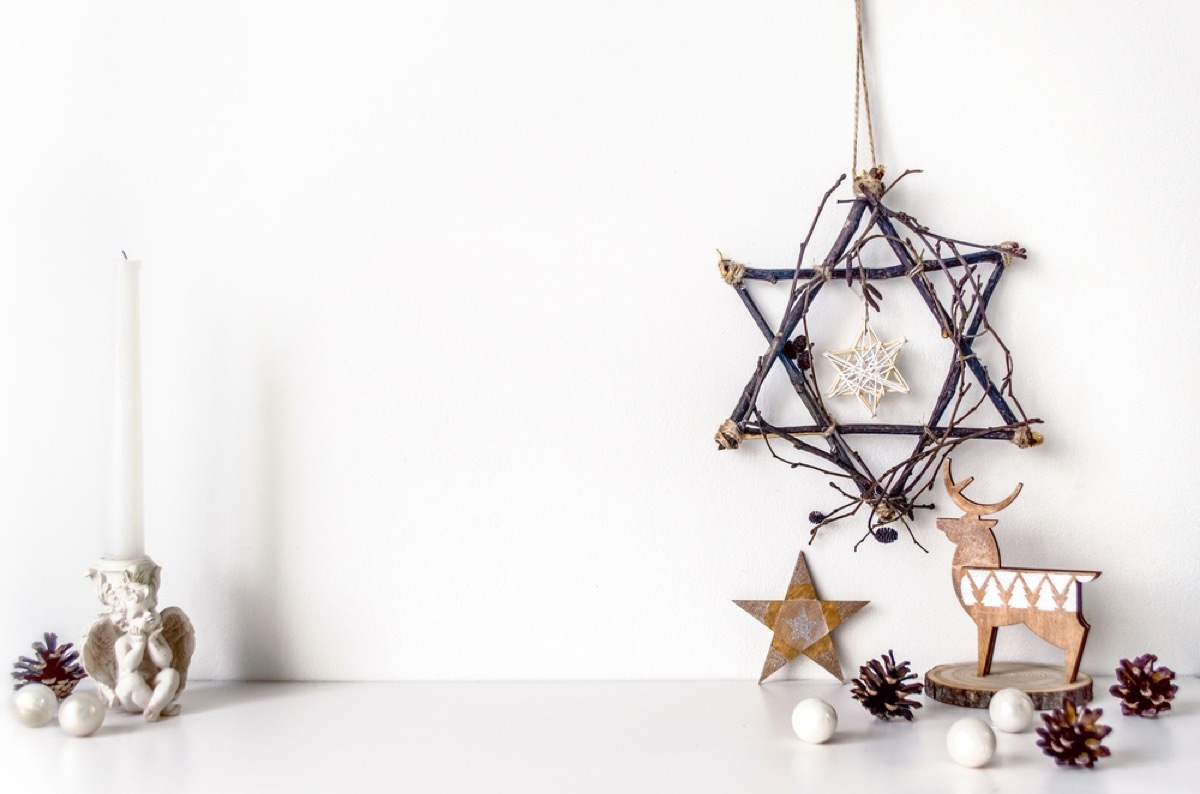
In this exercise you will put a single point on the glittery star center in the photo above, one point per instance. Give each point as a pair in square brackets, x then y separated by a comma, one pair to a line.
[804, 626]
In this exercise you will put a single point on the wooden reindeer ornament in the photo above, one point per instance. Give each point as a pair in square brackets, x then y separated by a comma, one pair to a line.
[1049, 602]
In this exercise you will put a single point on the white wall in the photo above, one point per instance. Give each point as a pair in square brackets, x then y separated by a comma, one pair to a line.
[434, 343]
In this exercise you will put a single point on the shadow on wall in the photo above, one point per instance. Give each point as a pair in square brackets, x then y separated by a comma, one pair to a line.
[253, 580]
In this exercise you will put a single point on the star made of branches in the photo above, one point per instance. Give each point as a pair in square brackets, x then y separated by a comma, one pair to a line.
[956, 281]
[867, 369]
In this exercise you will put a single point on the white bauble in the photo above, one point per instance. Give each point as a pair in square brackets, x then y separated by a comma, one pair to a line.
[34, 705]
[971, 742]
[1011, 710]
[814, 720]
[81, 714]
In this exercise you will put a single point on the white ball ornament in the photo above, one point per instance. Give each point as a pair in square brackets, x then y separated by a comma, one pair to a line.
[1011, 710]
[34, 705]
[81, 714]
[971, 742]
[814, 720]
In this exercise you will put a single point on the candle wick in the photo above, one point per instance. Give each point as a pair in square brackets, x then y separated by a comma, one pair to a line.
[124, 254]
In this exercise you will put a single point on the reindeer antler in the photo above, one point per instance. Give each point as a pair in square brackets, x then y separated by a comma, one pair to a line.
[965, 504]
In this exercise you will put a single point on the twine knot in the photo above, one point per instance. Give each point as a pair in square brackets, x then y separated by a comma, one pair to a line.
[1010, 249]
[731, 272]
[1025, 438]
[869, 182]
[729, 435]
[918, 268]
[886, 513]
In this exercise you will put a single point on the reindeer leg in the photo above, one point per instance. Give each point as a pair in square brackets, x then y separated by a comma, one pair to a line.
[987, 645]
[1074, 650]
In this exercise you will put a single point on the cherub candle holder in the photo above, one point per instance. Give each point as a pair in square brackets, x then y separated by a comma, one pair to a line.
[137, 655]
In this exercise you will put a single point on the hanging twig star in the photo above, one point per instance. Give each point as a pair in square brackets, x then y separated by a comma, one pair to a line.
[956, 281]
[867, 369]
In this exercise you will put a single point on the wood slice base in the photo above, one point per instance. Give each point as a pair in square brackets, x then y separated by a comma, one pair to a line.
[958, 685]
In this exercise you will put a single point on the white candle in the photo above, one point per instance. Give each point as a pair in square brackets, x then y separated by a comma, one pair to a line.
[124, 540]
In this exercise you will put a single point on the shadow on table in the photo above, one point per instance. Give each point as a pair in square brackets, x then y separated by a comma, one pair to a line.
[217, 696]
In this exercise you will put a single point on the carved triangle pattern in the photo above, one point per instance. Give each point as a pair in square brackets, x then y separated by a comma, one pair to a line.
[1048, 591]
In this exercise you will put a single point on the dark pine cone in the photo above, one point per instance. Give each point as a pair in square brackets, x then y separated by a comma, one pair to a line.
[56, 667]
[1072, 736]
[882, 688]
[1144, 690]
[886, 534]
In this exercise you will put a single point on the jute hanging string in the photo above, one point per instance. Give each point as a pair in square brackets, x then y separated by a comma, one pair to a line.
[871, 179]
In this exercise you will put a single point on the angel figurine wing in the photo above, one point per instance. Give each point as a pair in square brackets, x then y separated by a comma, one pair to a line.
[181, 637]
[100, 659]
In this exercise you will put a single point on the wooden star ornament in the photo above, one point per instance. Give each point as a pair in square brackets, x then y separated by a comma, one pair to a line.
[802, 624]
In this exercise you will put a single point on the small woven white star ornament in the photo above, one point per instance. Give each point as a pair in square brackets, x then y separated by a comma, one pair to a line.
[867, 369]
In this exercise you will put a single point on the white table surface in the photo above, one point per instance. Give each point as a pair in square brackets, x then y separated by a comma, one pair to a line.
[723, 736]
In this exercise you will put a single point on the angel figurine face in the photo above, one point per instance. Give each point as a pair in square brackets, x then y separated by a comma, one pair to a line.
[137, 610]
[143, 623]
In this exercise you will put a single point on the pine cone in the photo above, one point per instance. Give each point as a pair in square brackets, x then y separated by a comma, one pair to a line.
[886, 534]
[1144, 690]
[56, 667]
[1072, 736]
[882, 690]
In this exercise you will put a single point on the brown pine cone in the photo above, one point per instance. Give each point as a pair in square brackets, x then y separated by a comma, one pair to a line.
[56, 667]
[882, 689]
[1072, 736]
[1144, 690]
